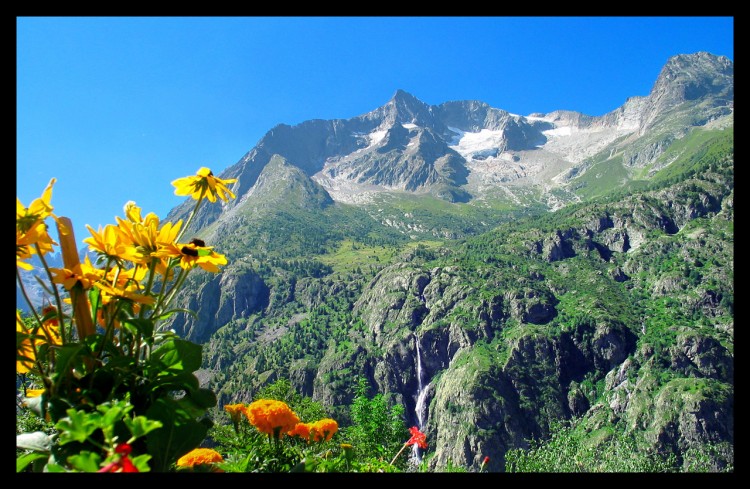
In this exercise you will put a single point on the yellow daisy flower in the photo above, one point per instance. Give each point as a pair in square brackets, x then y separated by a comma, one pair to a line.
[193, 254]
[204, 183]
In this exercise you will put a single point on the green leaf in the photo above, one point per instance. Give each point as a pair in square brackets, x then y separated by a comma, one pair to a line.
[113, 413]
[69, 357]
[178, 355]
[141, 462]
[24, 460]
[38, 440]
[179, 434]
[205, 398]
[77, 426]
[143, 326]
[174, 381]
[85, 461]
[141, 425]
[168, 313]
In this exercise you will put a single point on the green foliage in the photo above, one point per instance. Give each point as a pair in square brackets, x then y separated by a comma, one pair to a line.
[377, 430]
[571, 449]
[82, 436]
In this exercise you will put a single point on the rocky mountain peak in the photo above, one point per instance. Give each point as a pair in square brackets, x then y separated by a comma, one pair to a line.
[473, 149]
[689, 77]
[405, 108]
[283, 183]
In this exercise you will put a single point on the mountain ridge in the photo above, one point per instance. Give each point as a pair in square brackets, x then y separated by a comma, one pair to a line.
[464, 151]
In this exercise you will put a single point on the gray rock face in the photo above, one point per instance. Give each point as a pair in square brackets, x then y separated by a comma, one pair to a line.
[495, 364]
[219, 300]
[700, 356]
[464, 150]
[689, 77]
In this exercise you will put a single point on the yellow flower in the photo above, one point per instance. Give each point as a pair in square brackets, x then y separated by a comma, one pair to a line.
[29, 341]
[204, 183]
[107, 241]
[193, 254]
[145, 237]
[271, 417]
[84, 274]
[31, 229]
[23, 347]
[128, 293]
[38, 210]
[200, 456]
[26, 241]
[132, 211]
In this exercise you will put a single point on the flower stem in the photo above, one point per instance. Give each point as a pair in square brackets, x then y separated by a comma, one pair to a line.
[399, 452]
[190, 218]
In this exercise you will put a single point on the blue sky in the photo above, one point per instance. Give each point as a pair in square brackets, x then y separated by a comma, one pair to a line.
[116, 108]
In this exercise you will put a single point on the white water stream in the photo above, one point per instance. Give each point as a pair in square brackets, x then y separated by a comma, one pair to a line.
[420, 409]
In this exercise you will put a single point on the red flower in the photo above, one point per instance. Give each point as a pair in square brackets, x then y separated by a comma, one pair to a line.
[122, 465]
[486, 460]
[417, 437]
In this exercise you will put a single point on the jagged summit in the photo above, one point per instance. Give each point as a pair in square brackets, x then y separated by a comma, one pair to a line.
[467, 150]
[404, 108]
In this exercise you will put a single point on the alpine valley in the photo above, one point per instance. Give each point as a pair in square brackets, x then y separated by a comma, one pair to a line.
[497, 275]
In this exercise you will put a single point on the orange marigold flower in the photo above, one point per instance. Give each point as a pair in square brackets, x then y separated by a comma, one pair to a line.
[235, 411]
[200, 456]
[302, 430]
[271, 417]
[204, 183]
[324, 429]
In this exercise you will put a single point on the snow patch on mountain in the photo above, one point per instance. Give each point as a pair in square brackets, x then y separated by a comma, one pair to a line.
[342, 189]
[574, 143]
[477, 144]
[375, 137]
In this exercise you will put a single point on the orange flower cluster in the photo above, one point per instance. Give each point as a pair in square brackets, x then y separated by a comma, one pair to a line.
[276, 418]
[271, 417]
[320, 430]
[200, 456]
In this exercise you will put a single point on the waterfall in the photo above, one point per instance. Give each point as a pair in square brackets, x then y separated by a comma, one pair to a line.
[420, 409]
